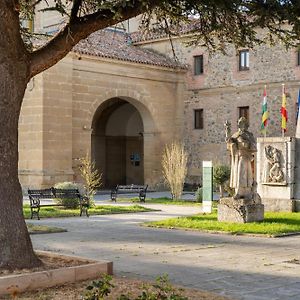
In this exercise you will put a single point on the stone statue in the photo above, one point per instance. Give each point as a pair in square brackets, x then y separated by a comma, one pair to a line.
[273, 169]
[242, 147]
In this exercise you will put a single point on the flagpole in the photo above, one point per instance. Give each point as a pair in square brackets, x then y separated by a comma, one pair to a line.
[283, 94]
[265, 114]
[265, 131]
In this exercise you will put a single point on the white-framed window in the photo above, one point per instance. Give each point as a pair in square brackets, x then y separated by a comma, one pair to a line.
[244, 61]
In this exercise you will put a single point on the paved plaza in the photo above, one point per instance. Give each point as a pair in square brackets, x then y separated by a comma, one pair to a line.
[241, 267]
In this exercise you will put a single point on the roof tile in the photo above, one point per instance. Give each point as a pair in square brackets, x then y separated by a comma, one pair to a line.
[118, 45]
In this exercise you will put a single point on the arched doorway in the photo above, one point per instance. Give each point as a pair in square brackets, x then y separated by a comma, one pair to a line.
[118, 143]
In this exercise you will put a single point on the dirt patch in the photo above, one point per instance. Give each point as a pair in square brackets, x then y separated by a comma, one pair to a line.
[122, 285]
[132, 287]
[50, 262]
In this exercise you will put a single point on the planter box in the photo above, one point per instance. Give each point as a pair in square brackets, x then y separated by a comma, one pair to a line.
[18, 283]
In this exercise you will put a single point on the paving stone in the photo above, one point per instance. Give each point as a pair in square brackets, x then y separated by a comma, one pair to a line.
[247, 268]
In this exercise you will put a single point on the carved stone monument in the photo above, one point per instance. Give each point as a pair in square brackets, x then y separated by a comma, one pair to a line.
[297, 169]
[245, 205]
[275, 172]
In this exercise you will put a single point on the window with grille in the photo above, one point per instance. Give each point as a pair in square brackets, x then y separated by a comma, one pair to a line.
[244, 112]
[198, 118]
[198, 65]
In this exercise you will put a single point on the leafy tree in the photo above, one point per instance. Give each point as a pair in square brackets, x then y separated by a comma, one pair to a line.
[219, 21]
[221, 174]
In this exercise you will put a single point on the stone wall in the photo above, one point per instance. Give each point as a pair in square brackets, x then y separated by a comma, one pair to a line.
[65, 99]
[58, 112]
[222, 89]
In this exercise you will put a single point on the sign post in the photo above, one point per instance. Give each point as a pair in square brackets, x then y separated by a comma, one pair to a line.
[207, 186]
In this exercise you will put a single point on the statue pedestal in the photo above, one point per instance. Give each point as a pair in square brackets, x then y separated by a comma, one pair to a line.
[240, 210]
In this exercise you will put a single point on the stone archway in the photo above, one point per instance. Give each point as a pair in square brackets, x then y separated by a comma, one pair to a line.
[118, 142]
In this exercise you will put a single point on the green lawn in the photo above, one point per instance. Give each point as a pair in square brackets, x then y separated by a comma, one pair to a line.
[274, 224]
[163, 200]
[58, 212]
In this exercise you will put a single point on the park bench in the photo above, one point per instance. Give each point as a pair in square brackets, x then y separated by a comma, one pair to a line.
[140, 190]
[35, 197]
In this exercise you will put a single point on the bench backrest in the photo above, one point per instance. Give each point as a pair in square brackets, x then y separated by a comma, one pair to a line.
[53, 193]
[40, 194]
[132, 187]
[66, 193]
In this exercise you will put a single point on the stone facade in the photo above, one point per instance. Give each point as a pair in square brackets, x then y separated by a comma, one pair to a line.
[56, 124]
[61, 106]
[222, 89]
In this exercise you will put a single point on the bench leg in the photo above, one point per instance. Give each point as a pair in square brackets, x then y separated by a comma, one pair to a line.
[35, 211]
[86, 210]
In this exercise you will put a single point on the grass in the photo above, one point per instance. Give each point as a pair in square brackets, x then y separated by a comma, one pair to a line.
[35, 229]
[274, 224]
[59, 212]
[163, 200]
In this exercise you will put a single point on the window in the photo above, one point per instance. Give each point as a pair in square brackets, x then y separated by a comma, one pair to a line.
[244, 60]
[198, 118]
[198, 65]
[298, 58]
[244, 112]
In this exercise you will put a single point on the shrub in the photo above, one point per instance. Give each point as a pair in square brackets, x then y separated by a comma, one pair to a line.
[221, 174]
[198, 194]
[67, 202]
[97, 289]
[174, 165]
[161, 290]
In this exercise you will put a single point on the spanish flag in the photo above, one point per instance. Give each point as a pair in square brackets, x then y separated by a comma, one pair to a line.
[284, 115]
[265, 113]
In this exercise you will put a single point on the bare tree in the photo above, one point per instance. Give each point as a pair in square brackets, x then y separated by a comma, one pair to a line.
[174, 164]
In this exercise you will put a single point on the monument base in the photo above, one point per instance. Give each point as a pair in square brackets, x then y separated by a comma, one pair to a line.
[272, 204]
[240, 210]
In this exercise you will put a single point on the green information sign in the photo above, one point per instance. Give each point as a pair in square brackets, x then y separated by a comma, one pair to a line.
[207, 186]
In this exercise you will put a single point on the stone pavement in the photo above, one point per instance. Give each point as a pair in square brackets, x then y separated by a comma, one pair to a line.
[240, 267]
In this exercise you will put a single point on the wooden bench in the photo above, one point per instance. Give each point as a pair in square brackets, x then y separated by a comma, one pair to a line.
[140, 190]
[35, 197]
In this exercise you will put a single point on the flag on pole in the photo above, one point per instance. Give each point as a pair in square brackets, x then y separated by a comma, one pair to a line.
[265, 113]
[284, 116]
[298, 107]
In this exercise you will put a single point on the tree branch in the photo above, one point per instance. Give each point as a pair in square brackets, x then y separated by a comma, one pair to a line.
[76, 6]
[58, 47]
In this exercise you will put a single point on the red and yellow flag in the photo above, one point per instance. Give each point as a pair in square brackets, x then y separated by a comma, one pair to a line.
[265, 113]
[284, 115]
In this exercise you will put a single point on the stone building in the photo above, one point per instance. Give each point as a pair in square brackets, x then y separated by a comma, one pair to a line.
[123, 98]
[116, 101]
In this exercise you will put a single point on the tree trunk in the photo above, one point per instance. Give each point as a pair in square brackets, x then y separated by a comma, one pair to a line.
[221, 190]
[15, 245]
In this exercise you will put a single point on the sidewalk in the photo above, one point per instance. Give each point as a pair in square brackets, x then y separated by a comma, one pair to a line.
[241, 267]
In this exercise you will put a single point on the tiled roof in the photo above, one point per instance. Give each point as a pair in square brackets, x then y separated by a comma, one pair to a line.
[160, 33]
[117, 45]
